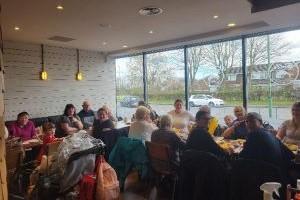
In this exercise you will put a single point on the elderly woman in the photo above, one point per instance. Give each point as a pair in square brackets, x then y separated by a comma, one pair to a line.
[102, 124]
[69, 122]
[180, 117]
[142, 127]
[238, 128]
[23, 127]
[109, 113]
[165, 135]
[289, 131]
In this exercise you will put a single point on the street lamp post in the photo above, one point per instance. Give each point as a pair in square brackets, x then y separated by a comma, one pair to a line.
[270, 76]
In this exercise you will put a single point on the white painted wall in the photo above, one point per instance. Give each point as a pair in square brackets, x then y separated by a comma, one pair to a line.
[26, 92]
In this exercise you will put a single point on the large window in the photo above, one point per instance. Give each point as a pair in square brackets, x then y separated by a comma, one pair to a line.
[129, 82]
[165, 76]
[215, 74]
[273, 64]
[215, 77]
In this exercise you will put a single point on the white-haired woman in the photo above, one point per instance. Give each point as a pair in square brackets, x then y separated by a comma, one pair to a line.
[165, 135]
[142, 128]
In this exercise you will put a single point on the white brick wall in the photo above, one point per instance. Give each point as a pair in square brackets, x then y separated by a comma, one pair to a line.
[26, 92]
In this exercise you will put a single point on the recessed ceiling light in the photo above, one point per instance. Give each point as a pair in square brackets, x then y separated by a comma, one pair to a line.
[105, 25]
[231, 25]
[151, 32]
[150, 11]
[104, 43]
[59, 7]
[216, 16]
[16, 28]
[125, 46]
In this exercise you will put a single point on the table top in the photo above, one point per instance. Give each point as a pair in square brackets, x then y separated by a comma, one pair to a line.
[122, 124]
[32, 143]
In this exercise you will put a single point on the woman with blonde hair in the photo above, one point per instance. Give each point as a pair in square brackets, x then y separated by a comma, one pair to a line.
[238, 128]
[142, 127]
[289, 131]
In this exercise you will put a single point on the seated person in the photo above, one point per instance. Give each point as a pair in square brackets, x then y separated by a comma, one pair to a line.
[23, 127]
[109, 113]
[238, 128]
[289, 131]
[102, 124]
[228, 119]
[87, 115]
[69, 122]
[180, 117]
[213, 125]
[165, 135]
[48, 137]
[263, 146]
[153, 115]
[200, 139]
[142, 127]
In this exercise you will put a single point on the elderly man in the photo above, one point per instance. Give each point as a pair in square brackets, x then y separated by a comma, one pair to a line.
[200, 139]
[213, 125]
[87, 115]
[263, 146]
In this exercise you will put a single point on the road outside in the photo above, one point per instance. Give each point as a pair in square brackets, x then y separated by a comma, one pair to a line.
[280, 114]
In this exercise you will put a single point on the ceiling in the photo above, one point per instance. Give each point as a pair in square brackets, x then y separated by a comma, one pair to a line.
[181, 21]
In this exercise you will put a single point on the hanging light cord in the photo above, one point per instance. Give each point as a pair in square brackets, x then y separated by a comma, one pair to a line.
[43, 67]
[78, 67]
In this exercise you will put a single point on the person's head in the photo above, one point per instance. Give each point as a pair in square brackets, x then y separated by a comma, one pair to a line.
[205, 109]
[86, 105]
[228, 119]
[49, 128]
[142, 113]
[102, 114]
[296, 111]
[23, 118]
[253, 121]
[142, 103]
[165, 122]
[70, 110]
[202, 119]
[178, 104]
[105, 107]
[239, 113]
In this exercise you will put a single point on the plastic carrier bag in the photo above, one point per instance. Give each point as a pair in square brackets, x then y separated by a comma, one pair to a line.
[107, 182]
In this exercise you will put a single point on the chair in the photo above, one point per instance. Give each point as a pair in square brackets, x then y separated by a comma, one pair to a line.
[14, 160]
[248, 175]
[161, 162]
[128, 154]
[290, 192]
[109, 138]
[202, 176]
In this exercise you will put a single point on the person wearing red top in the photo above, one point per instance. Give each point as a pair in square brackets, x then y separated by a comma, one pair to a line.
[23, 127]
[49, 131]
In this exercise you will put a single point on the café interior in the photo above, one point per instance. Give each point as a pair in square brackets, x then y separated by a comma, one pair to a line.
[150, 99]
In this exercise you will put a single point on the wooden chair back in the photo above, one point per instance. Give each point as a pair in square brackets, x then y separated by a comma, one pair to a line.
[160, 158]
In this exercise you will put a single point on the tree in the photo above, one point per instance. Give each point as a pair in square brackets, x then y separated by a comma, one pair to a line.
[195, 61]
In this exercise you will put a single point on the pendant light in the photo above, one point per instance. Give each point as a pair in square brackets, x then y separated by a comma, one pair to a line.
[43, 73]
[79, 75]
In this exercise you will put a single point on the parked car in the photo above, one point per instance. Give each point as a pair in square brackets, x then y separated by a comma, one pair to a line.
[130, 101]
[203, 99]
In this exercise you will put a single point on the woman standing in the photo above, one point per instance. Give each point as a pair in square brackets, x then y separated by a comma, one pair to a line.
[180, 117]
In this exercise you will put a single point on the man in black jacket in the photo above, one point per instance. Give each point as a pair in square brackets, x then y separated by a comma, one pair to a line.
[199, 138]
[263, 146]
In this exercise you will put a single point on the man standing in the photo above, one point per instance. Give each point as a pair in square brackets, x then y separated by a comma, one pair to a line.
[87, 115]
